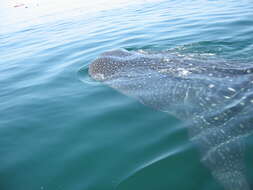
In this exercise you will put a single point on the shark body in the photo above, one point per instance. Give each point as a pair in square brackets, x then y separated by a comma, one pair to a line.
[214, 97]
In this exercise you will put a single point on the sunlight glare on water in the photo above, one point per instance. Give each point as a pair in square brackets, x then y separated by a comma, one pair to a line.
[22, 13]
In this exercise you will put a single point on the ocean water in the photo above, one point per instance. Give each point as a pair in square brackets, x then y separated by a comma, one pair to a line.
[61, 131]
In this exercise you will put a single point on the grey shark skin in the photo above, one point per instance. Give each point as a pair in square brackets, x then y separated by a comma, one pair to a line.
[215, 98]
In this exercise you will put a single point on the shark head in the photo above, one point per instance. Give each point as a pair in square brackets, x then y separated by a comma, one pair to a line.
[108, 65]
[181, 86]
[155, 80]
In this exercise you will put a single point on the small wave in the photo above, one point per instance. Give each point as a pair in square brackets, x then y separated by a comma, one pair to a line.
[83, 75]
[163, 156]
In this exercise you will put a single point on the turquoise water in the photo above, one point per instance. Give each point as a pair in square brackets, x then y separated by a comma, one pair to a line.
[58, 131]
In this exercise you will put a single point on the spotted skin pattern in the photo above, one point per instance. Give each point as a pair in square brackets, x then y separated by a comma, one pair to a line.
[214, 97]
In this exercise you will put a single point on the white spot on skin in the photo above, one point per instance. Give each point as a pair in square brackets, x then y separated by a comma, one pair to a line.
[183, 72]
[186, 95]
[211, 85]
[99, 76]
[251, 101]
[231, 89]
[216, 118]
[227, 97]
[163, 70]
[141, 51]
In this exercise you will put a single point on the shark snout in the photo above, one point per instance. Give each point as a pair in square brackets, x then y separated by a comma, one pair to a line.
[102, 68]
[108, 64]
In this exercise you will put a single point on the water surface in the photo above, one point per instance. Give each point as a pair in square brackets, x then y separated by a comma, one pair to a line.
[60, 132]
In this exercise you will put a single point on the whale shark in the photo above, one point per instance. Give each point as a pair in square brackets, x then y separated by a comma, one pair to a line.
[214, 96]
